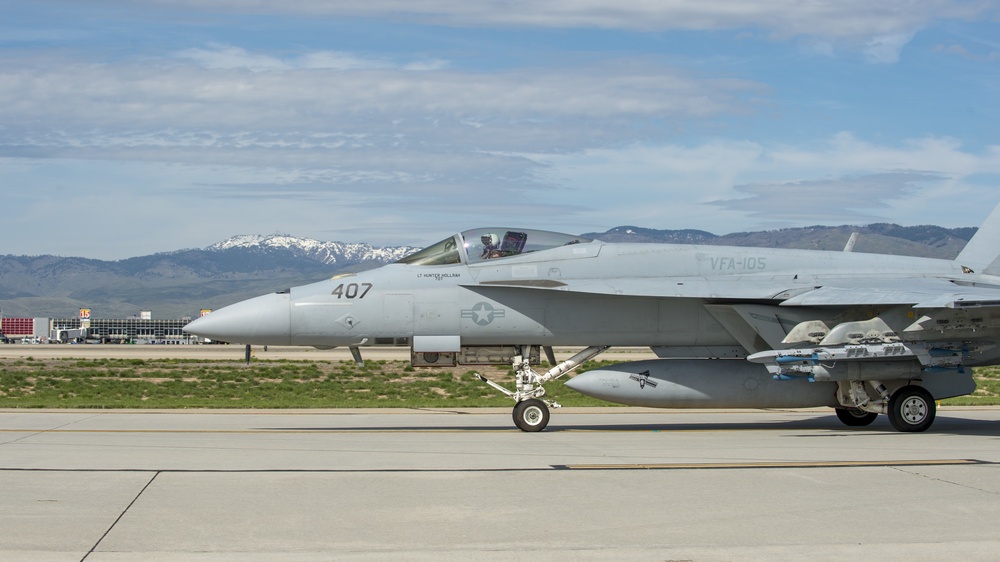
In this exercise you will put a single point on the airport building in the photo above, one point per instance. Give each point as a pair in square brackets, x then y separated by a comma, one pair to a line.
[29, 330]
[142, 329]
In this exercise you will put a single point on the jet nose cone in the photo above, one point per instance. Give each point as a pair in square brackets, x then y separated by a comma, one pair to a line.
[263, 320]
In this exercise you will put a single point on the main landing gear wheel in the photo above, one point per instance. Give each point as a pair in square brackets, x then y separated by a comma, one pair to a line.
[855, 417]
[531, 415]
[911, 408]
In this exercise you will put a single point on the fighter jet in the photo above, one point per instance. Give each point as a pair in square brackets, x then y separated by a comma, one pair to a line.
[732, 327]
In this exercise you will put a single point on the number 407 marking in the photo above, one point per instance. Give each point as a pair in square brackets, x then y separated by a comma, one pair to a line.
[352, 290]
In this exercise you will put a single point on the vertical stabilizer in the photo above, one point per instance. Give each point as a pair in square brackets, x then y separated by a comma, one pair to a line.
[982, 253]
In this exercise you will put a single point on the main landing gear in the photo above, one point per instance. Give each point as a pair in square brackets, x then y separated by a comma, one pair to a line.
[531, 412]
[910, 408]
[855, 417]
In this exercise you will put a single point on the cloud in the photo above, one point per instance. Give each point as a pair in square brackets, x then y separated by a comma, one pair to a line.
[223, 56]
[725, 186]
[844, 18]
[885, 49]
[235, 101]
[961, 51]
[218, 56]
[417, 196]
[879, 30]
[850, 199]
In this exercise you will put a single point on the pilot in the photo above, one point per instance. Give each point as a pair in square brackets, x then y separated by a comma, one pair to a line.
[491, 246]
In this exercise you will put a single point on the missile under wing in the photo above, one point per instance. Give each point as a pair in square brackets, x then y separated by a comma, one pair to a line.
[733, 327]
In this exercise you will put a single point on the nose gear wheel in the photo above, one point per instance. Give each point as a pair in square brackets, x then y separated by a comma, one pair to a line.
[531, 415]
[530, 412]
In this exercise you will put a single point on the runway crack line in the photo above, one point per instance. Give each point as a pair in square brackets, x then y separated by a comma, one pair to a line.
[943, 481]
[122, 514]
[58, 428]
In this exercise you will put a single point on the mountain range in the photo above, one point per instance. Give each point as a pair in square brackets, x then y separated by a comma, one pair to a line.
[178, 284]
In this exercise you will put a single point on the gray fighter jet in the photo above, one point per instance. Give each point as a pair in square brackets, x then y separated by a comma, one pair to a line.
[732, 327]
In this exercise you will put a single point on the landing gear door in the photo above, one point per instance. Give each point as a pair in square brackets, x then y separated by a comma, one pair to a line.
[428, 351]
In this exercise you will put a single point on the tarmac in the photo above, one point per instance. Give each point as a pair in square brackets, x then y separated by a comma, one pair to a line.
[598, 484]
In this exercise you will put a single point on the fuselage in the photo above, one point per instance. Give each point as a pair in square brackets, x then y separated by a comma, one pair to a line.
[565, 291]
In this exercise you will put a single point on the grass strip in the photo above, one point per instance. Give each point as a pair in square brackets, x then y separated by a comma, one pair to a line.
[171, 383]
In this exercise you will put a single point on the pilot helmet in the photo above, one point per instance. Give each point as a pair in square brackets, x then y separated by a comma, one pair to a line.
[490, 239]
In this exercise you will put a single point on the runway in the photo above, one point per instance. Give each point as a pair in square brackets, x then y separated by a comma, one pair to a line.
[599, 484]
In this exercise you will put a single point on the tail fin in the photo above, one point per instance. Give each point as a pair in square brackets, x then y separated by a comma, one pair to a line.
[982, 253]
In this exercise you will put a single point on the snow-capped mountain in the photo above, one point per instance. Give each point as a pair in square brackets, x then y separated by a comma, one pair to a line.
[327, 253]
[177, 284]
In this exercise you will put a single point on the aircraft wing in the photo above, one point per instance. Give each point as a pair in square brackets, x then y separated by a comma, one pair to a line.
[918, 292]
[921, 293]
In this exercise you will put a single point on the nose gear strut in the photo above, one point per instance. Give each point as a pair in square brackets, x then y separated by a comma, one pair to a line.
[531, 412]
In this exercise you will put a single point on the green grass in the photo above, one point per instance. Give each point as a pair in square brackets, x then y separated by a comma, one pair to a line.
[987, 392]
[173, 383]
[165, 383]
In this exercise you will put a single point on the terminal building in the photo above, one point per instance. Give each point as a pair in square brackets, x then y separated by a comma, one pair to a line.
[142, 329]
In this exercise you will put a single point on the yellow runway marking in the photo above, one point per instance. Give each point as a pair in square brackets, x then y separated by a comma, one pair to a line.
[497, 429]
[207, 431]
[262, 431]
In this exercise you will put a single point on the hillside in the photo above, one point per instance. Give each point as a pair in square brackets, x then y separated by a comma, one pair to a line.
[921, 241]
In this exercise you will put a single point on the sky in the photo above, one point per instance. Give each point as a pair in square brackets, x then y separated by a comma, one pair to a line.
[130, 127]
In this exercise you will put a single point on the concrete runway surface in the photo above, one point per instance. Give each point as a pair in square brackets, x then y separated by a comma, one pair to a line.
[599, 484]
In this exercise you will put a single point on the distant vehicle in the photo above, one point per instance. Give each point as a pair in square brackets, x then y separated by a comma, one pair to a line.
[732, 327]
[31, 340]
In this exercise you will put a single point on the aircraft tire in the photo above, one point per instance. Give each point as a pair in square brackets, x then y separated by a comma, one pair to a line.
[911, 409]
[517, 419]
[855, 417]
[531, 415]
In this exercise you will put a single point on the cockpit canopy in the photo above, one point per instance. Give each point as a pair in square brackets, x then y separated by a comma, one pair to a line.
[481, 244]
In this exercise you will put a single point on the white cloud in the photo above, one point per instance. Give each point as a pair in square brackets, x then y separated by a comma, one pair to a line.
[223, 56]
[877, 29]
[234, 98]
[727, 186]
[850, 199]
[218, 56]
[844, 18]
[885, 49]
[339, 61]
[385, 196]
[978, 56]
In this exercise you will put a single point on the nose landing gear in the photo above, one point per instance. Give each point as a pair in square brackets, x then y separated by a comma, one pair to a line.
[531, 413]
